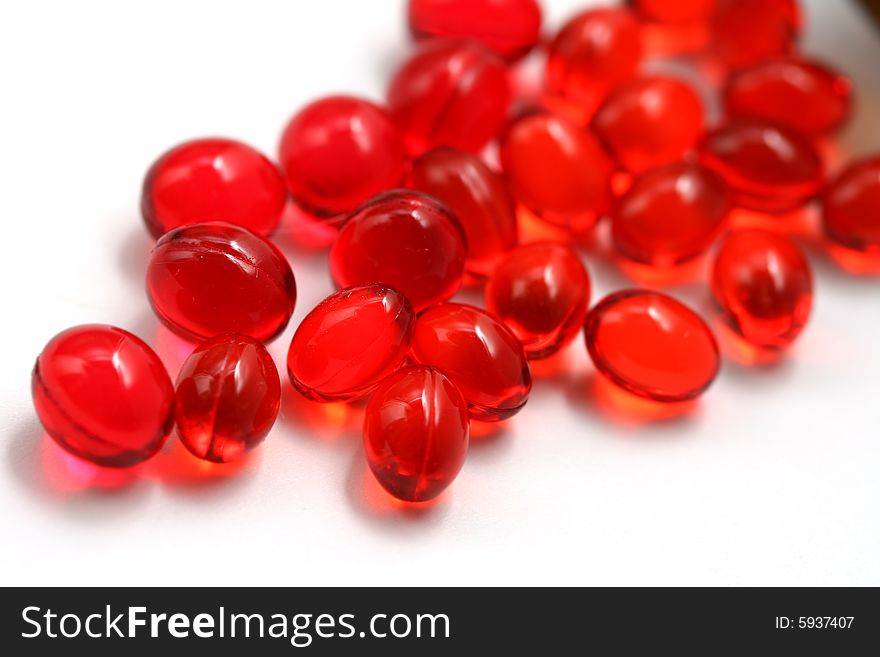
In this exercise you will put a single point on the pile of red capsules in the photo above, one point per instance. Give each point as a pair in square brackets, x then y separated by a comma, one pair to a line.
[433, 188]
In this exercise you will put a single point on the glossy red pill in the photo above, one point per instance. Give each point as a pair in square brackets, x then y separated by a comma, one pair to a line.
[450, 93]
[228, 394]
[416, 431]
[649, 122]
[557, 170]
[769, 168]
[541, 292]
[406, 240]
[593, 53]
[481, 356]
[103, 395]
[652, 345]
[339, 151]
[798, 93]
[477, 196]
[670, 214]
[675, 11]
[509, 28]
[746, 32]
[212, 278]
[213, 180]
[851, 207]
[349, 342]
[764, 286]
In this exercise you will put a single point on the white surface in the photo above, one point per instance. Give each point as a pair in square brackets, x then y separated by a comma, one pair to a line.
[773, 480]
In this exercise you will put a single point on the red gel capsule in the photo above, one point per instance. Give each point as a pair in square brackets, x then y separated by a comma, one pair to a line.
[746, 32]
[206, 279]
[652, 345]
[339, 151]
[675, 12]
[103, 395]
[670, 215]
[764, 286]
[450, 93]
[349, 342]
[416, 432]
[593, 53]
[769, 168]
[406, 240]
[558, 171]
[541, 292]
[798, 93]
[228, 395]
[213, 180]
[649, 122]
[477, 196]
[481, 356]
[510, 28]
[851, 207]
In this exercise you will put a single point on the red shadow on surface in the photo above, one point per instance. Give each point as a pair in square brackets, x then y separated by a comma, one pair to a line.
[625, 408]
[304, 231]
[327, 421]
[172, 349]
[798, 223]
[380, 503]
[68, 474]
[851, 261]
[176, 466]
[737, 349]
[692, 271]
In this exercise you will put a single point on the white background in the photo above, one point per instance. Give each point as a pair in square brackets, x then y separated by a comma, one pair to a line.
[773, 479]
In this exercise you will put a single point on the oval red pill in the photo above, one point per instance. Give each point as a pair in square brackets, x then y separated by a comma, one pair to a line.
[652, 345]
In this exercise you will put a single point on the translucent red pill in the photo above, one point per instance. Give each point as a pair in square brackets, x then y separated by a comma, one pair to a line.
[768, 167]
[213, 180]
[339, 151]
[764, 286]
[649, 122]
[851, 207]
[227, 397]
[541, 292]
[675, 11]
[477, 196]
[103, 395]
[481, 356]
[406, 240]
[798, 93]
[349, 342]
[593, 53]
[211, 278]
[557, 170]
[450, 93]
[416, 432]
[670, 214]
[509, 28]
[746, 32]
[652, 345]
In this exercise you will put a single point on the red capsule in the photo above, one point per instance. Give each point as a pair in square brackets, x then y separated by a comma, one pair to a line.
[558, 171]
[764, 285]
[416, 432]
[746, 32]
[477, 196]
[851, 207]
[650, 122]
[652, 345]
[228, 395]
[339, 151]
[481, 356]
[541, 292]
[670, 215]
[798, 93]
[213, 180]
[677, 11]
[349, 342]
[510, 28]
[769, 168]
[103, 395]
[205, 279]
[450, 93]
[404, 239]
[594, 52]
